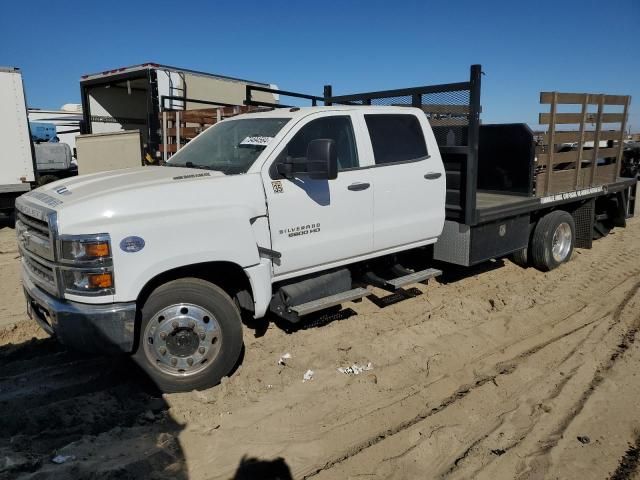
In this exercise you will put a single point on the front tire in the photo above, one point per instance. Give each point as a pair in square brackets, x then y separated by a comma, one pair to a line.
[553, 240]
[190, 335]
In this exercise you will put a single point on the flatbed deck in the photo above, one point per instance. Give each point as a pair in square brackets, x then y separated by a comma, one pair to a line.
[492, 206]
[489, 200]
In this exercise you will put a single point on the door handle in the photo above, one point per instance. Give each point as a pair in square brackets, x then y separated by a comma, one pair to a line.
[357, 186]
[432, 175]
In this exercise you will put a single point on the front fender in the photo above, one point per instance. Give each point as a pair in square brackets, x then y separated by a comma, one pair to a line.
[187, 238]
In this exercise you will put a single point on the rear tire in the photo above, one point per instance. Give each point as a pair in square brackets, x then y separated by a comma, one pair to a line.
[190, 335]
[521, 257]
[553, 240]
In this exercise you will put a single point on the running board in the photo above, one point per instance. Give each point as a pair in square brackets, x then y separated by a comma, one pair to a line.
[416, 277]
[399, 282]
[330, 301]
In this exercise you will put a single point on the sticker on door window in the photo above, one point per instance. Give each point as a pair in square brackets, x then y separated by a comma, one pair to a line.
[258, 140]
[277, 186]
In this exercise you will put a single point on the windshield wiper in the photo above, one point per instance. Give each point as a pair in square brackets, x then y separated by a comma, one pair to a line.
[189, 165]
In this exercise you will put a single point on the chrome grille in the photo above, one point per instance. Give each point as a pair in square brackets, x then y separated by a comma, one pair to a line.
[40, 272]
[34, 240]
[35, 224]
[35, 229]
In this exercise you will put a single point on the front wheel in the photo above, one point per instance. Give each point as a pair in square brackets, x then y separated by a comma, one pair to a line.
[190, 335]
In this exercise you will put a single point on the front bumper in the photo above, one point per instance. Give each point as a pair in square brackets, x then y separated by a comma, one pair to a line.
[105, 328]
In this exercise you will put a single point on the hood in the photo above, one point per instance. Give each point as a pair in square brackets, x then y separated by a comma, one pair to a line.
[86, 187]
[89, 203]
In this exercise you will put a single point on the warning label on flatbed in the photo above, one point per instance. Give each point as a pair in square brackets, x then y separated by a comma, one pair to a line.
[569, 195]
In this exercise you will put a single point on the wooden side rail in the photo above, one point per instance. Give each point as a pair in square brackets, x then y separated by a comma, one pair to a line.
[592, 125]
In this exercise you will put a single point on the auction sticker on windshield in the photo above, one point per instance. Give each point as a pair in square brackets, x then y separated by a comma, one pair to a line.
[256, 140]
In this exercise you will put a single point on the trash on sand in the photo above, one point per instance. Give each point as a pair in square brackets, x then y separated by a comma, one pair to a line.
[308, 375]
[283, 359]
[356, 369]
[59, 459]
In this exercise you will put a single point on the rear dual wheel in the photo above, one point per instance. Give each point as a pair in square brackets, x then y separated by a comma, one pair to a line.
[190, 335]
[553, 240]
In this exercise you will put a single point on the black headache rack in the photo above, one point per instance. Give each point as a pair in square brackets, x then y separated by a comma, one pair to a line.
[453, 110]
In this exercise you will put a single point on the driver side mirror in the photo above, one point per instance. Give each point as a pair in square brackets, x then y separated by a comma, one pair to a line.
[321, 162]
[322, 159]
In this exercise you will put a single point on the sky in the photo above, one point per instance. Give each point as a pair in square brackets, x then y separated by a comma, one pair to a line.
[524, 47]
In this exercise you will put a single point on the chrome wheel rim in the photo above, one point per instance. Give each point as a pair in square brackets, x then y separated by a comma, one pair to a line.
[561, 243]
[182, 339]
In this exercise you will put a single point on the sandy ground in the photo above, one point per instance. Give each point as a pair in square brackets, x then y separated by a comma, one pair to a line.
[491, 373]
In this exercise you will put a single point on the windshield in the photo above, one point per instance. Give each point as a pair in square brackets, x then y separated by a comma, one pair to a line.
[230, 147]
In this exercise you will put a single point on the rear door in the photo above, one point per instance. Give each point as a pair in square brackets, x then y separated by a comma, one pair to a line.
[317, 223]
[408, 179]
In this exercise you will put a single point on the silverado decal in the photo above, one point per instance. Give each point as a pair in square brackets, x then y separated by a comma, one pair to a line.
[300, 230]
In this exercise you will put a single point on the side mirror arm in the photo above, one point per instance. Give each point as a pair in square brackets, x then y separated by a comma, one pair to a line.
[285, 169]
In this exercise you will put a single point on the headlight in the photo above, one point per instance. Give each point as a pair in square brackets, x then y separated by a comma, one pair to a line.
[88, 282]
[85, 249]
[86, 265]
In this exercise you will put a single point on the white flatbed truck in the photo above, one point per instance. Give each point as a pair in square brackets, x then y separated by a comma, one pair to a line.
[295, 210]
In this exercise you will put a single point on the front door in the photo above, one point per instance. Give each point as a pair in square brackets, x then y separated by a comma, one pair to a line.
[317, 223]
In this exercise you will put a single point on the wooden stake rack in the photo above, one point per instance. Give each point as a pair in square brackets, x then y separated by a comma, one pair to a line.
[582, 148]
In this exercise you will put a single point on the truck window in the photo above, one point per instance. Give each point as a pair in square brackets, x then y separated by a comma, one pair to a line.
[338, 128]
[396, 138]
[231, 146]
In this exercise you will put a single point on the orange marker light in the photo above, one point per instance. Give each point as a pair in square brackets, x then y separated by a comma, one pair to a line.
[100, 280]
[96, 249]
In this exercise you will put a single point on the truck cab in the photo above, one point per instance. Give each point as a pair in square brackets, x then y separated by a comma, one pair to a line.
[263, 211]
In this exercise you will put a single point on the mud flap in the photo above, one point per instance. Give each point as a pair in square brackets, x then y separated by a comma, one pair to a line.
[584, 217]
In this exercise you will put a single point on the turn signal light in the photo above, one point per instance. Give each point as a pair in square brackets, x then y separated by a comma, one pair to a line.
[97, 250]
[100, 280]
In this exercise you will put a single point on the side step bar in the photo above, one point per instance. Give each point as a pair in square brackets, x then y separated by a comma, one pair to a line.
[330, 301]
[399, 282]
[415, 277]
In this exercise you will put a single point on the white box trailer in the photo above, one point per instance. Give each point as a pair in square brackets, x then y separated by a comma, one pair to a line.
[133, 98]
[17, 170]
